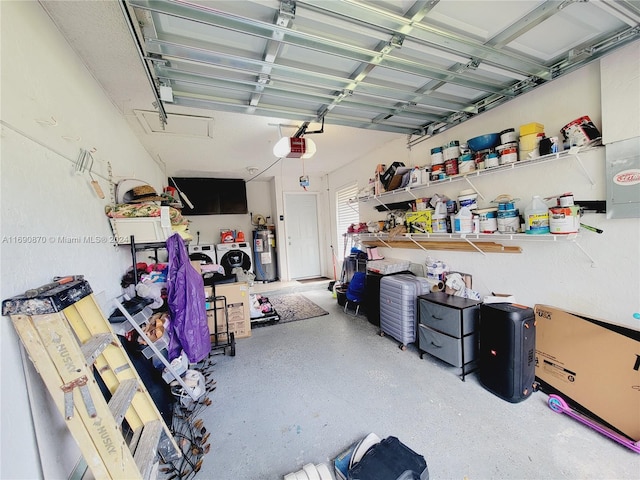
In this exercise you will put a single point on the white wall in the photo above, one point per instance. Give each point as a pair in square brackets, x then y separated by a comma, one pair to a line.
[266, 198]
[559, 273]
[620, 78]
[51, 107]
[258, 202]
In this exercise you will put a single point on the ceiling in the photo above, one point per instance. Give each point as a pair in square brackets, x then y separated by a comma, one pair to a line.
[210, 86]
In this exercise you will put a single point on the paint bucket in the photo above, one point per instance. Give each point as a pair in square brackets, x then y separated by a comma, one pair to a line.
[466, 164]
[491, 160]
[436, 156]
[468, 198]
[451, 166]
[509, 155]
[488, 220]
[564, 220]
[508, 220]
[580, 131]
[435, 171]
[508, 135]
[565, 200]
[451, 151]
[531, 141]
[507, 205]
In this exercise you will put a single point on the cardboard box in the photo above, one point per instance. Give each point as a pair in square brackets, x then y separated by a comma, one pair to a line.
[593, 365]
[237, 295]
[389, 173]
[196, 265]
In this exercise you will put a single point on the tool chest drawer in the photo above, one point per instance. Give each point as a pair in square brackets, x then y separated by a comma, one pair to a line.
[449, 315]
[447, 348]
[447, 328]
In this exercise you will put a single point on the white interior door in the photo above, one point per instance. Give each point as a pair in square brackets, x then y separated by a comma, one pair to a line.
[303, 244]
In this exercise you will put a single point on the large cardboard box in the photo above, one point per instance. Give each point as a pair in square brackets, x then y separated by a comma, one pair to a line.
[592, 364]
[237, 295]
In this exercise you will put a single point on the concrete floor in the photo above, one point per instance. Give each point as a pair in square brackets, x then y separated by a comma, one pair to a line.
[302, 392]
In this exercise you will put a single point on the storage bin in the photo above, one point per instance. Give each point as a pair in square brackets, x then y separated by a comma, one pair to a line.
[530, 128]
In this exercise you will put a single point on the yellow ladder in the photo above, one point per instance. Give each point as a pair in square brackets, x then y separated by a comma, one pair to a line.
[68, 338]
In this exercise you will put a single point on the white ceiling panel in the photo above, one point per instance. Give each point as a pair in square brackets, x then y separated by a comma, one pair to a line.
[573, 26]
[479, 19]
[387, 66]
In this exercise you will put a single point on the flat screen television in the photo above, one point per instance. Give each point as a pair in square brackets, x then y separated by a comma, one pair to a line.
[212, 196]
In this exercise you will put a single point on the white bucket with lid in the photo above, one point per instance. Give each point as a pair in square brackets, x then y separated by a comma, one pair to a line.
[508, 135]
[565, 200]
[491, 160]
[488, 219]
[509, 221]
[468, 198]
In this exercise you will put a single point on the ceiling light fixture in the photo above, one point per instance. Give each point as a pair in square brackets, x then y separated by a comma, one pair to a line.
[294, 147]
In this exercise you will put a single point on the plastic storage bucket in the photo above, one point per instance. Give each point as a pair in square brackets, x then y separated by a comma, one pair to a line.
[488, 220]
[468, 198]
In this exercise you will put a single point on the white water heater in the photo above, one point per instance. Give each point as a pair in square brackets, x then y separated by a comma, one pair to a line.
[264, 255]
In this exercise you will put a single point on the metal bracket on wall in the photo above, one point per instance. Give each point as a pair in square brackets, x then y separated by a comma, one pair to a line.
[593, 262]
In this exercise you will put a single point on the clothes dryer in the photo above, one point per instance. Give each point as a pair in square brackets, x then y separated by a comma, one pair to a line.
[232, 255]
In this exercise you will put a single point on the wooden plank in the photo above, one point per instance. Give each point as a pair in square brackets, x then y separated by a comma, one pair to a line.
[121, 400]
[145, 455]
[92, 348]
[458, 246]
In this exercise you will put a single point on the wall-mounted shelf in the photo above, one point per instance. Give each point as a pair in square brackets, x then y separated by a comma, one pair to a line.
[463, 242]
[469, 242]
[388, 197]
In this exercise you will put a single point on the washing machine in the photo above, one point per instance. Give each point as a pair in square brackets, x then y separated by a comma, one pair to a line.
[203, 253]
[231, 255]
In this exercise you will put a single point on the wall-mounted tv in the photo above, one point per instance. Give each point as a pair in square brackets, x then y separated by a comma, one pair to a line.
[212, 196]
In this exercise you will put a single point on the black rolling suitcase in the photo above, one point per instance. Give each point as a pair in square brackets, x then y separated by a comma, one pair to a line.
[507, 350]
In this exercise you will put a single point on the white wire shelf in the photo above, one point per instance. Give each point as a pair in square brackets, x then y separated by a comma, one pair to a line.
[480, 173]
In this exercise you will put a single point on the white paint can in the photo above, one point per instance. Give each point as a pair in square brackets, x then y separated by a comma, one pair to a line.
[565, 200]
[563, 220]
[508, 221]
[508, 155]
[488, 219]
[467, 198]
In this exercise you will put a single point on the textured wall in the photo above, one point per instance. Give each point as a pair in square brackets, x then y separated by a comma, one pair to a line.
[560, 273]
[52, 221]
